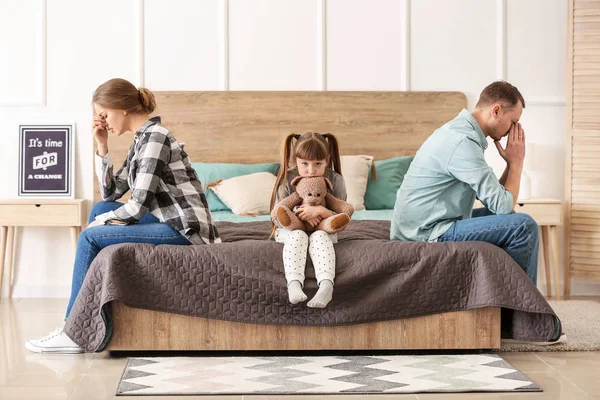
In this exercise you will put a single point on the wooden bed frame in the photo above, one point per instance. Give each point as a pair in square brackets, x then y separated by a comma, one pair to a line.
[249, 127]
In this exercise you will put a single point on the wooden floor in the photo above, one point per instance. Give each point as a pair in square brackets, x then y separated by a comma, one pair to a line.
[25, 375]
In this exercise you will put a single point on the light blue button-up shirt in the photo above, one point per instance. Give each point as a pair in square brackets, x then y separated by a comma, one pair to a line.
[448, 172]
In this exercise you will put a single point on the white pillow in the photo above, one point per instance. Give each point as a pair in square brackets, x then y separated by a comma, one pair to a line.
[356, 170]
[246, 194]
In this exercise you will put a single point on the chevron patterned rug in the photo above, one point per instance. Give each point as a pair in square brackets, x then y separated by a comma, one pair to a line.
[321, 375]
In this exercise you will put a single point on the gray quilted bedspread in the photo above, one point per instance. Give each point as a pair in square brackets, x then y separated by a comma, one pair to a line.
[242, 280]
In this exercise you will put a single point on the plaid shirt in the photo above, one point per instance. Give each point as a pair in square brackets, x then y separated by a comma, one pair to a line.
[163, 182]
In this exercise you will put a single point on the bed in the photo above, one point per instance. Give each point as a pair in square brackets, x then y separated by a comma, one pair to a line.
[247, 128]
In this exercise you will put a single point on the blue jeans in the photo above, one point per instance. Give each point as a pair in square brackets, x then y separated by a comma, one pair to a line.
[517, 234]
[148, 230]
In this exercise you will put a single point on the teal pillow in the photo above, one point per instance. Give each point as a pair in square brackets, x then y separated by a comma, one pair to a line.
[210, 172]
[381, 193]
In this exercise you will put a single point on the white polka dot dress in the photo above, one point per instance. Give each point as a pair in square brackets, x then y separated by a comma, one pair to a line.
[322, 255]
[295, 244]
[320, 248]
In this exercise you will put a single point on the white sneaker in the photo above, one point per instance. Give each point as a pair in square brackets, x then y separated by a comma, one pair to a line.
[55, 342]
[561, 339]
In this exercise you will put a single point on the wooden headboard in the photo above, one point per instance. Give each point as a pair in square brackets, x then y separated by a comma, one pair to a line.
[249, 127]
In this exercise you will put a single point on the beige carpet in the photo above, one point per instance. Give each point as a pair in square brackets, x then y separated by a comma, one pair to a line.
[581, 323]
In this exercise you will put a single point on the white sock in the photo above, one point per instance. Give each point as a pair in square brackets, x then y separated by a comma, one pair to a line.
[323, 296]
[295, 292]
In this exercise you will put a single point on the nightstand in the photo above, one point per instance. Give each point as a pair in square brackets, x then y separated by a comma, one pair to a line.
[35, 212]
[548, 215]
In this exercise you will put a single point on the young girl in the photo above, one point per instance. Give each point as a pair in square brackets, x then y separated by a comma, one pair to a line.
[311, 154]
[167, 204]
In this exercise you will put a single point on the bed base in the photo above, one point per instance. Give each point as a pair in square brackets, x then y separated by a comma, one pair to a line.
[138, 329]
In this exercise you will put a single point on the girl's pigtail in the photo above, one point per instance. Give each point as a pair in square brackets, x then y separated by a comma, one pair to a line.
[334, 153]
[282, 175]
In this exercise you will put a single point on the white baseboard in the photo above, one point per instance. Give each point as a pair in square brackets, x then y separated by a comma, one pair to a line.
[39, 291]
[579, 288]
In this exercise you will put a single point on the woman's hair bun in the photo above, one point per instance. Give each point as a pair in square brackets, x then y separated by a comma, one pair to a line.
[147, 100]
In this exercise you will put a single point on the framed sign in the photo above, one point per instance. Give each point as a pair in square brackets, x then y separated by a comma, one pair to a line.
[46, 160]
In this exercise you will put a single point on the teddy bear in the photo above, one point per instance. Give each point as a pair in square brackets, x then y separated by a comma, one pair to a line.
[312, 191]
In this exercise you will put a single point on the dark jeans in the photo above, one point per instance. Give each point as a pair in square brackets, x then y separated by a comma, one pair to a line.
[517, 234]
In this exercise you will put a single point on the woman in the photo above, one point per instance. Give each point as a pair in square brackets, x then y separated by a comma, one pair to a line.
[167, 204]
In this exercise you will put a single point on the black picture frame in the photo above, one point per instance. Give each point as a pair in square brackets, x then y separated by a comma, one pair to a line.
[46, 160]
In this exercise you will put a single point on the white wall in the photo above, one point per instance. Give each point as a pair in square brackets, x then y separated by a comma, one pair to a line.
[53, 53]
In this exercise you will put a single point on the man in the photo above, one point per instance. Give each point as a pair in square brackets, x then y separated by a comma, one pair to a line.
[435, 201]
